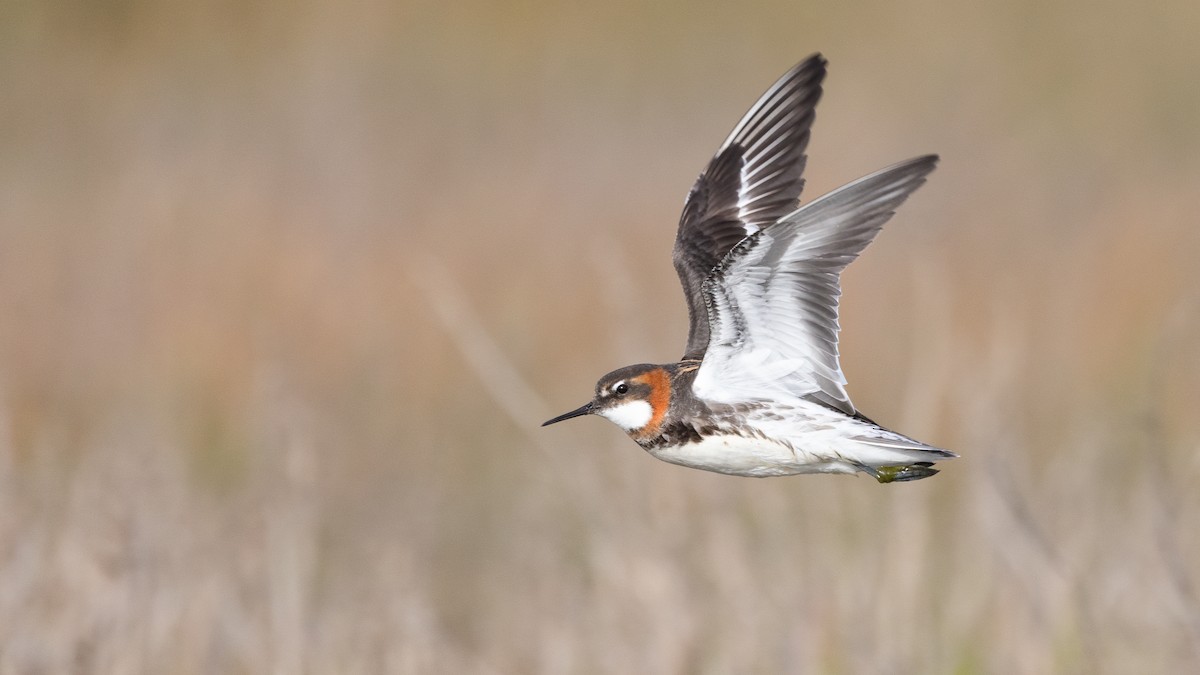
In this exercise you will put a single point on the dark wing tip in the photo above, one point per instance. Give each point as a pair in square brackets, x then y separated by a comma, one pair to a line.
[815, 60]
[753, 180]
[797, 89]
[920, 163]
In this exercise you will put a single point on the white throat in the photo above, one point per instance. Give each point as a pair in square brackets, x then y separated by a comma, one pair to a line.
[630, 416]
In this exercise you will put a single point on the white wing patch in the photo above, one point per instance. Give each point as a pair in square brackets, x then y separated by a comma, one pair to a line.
[773, 301]
[630, 416]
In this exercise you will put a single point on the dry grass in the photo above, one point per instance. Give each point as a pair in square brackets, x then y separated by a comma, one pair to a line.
[286, 290]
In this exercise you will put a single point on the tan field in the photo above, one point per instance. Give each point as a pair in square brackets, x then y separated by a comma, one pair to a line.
[286, 290]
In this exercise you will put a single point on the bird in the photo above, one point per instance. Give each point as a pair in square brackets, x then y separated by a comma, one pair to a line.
[759, 390]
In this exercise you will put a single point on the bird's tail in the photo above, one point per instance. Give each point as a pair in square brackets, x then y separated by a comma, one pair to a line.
[892, 458]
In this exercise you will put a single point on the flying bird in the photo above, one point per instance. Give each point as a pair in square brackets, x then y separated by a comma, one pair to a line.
[760, 390]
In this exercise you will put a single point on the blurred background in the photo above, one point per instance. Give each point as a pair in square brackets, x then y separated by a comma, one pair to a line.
[286, 289]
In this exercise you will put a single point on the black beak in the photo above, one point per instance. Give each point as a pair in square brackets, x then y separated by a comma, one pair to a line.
[586, 409]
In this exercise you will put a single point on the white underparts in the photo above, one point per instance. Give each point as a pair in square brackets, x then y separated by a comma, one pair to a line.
[630, 416]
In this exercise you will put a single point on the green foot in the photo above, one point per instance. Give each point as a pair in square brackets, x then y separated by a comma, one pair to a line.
[899, 474]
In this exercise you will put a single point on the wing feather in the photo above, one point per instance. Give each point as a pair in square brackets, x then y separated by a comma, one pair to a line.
[753, 180]
[772, 303]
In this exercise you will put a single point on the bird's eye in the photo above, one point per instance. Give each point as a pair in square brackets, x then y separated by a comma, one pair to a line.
[621, 389]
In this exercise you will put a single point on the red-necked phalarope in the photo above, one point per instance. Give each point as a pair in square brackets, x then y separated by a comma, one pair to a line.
[759, 391]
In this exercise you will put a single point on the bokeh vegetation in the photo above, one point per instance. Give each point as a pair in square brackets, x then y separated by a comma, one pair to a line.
[286, 288]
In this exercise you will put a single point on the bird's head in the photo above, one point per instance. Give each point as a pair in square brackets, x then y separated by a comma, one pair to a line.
[634, 398]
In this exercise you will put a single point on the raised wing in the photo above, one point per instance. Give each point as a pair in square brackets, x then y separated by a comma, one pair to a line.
[772, 303]
[752, 181]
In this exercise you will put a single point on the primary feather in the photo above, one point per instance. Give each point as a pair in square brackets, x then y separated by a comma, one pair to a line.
[753, 180]
[772, 303]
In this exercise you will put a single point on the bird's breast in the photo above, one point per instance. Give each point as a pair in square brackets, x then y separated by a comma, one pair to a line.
[731, 453]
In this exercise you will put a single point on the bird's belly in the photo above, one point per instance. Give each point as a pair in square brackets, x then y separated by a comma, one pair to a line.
[747, 456]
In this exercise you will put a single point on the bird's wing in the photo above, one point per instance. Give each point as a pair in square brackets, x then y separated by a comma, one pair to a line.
[752, 181]
[772, 303]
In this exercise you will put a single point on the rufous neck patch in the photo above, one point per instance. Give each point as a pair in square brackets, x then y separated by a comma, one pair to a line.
[660, 399]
